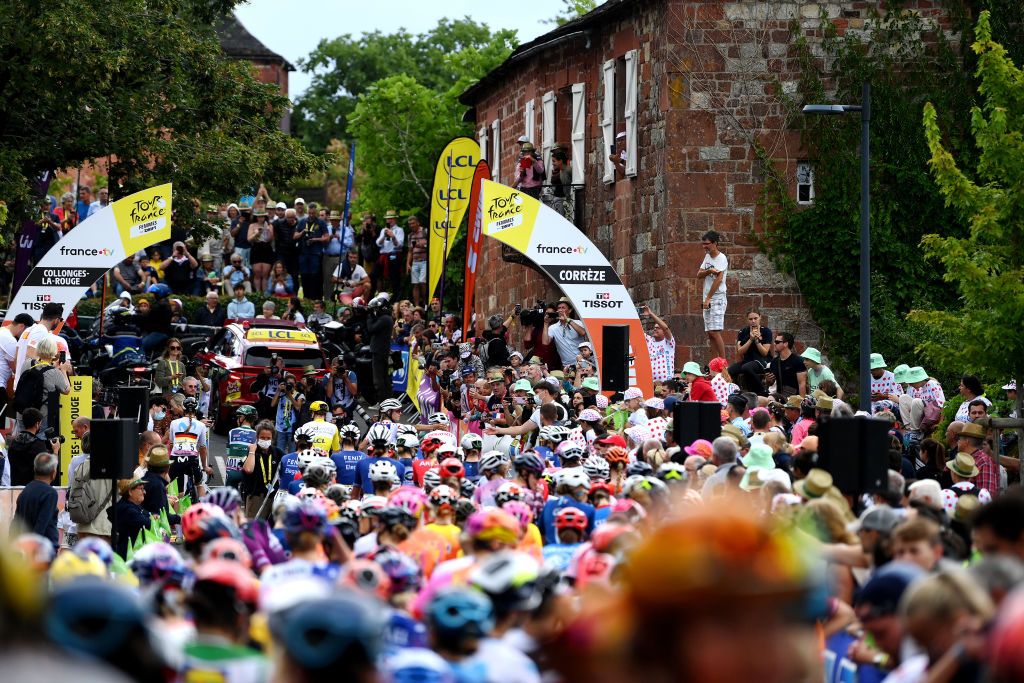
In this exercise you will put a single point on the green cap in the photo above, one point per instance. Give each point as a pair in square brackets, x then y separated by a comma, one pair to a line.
[692, 368]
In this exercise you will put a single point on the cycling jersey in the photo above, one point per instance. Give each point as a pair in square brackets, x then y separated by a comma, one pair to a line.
[323, 435]
[213, 660]
[239, 440]
[451, 533]
[346, 462]
[557, 556]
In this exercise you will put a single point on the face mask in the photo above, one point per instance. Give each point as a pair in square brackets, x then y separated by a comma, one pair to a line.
[159, 415]
[263, 443]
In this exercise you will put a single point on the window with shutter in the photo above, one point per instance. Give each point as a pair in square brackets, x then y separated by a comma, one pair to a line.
[632, 137]
[483, 139]
[579, 133]
[530, 122]
[547, 128]
[496, 150]
[608, 121]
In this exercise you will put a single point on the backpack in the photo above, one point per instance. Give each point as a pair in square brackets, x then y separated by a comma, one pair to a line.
[931, 418]
[30, 393]
[82, 504]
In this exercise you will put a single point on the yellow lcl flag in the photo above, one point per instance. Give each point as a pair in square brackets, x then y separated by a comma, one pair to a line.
[453, 178]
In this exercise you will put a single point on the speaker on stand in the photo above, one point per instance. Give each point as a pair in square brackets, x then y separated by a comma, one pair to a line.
[615, 357]
[692, 420]
[855, 451]
[133, 404]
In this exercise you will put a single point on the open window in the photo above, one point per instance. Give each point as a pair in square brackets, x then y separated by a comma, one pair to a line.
[804, 182]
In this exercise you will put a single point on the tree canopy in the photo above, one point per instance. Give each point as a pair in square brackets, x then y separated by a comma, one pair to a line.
[984, 334]
[145, 83]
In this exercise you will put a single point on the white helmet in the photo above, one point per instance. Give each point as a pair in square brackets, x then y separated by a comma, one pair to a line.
[389, 404]
[305, 457]
[349, 431]
[308, 493]
[403, 428]
[379, 435]
[597, 468]
[371, 503]
[439, 419]
[572, 477]
[472, 442]
[493, 460]
[431, 480]
[383, 470]
[409, 441]
[446, 450]
[557, 434]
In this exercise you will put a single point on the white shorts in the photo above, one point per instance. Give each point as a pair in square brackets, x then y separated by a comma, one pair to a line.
[714, 317]
[418, 272]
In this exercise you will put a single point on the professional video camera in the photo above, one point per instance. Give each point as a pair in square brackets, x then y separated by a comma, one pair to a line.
[535, 316]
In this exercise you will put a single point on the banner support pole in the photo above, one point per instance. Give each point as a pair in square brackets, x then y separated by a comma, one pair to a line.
[447, 227]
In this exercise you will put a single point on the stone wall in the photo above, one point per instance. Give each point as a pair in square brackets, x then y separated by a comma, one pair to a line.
[715, 80]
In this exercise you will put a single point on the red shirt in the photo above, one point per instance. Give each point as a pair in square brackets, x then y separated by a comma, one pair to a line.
[420, 467]
[701, 390]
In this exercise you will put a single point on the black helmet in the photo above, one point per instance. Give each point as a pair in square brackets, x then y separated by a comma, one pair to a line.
[190, 404]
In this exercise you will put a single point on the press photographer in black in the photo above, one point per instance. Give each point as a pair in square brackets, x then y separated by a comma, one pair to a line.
[378, 327]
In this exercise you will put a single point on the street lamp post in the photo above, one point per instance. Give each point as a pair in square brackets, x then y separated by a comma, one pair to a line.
[865, 230]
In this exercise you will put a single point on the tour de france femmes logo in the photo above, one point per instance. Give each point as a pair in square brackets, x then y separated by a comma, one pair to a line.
[504, 212]
[147, 215]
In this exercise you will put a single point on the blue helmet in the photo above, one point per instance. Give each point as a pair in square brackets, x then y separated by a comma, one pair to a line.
[159, 290]
[404, 572]
[458, 612]
[306, 515]
[94, 617]
[417, 665]
[225, 497]
[96, 546]
[343, 630]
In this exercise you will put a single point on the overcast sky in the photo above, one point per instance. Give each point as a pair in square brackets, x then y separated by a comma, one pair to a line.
[292, 28]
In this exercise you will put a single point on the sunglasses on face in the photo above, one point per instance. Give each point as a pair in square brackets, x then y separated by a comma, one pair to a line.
[175, 348]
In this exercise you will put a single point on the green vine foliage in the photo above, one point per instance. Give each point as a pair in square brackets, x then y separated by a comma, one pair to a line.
[907, 64]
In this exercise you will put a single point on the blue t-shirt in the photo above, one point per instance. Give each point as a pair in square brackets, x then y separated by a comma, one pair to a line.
[559, 555]
[472, 470]
[289, 468]
[552, 507]
[346, 462]
[601, 515]
[363, 472]
[545, 453]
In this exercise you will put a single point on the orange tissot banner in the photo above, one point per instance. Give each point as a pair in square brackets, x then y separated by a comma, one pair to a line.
[476, 237]
[572, 261]
[448, 203]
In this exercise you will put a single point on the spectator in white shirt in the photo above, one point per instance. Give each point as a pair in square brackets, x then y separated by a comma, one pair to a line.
[566, 332]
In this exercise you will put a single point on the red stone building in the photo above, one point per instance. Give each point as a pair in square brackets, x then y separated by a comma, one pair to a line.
[269, 66]
[695, 86]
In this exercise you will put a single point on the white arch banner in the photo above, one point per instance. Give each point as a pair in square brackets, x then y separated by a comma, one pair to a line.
[572, 261]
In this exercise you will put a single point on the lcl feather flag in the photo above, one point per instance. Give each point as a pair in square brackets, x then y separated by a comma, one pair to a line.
[449, 201]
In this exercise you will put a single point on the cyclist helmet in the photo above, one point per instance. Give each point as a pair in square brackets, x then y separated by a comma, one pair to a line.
[338, 493]
[439, 419]
[405, 574]
[544, 434]
[306, 515]
[248, 412]
[457, 613]
[447, 450]
[431, 480]
[306, 457]
[467, 487]
[390, 404]
[628, 510]
[69, 566]
[573, 477]
[232, 575]
[402, 428]
[606, 536]
[557, 434]
[93, 617]
[509, 491]
[310, 493]
[597, 468]
[318, 473]
[367, 577]
[602, 486]
[417, 665]
[158, 563]
[616, 454]
[452, 467]
[568, 450]
[330, 637]
[193, 516]
[492, 460]
[410, 499]
[471, 442]
[351, 509]
[383, 470]
[38, 551]
[528, 463]
[227, 549]
[639, 468]
[96, 546]
[430, 442]
[159, 290]
[510, 580]
[393, 516]
[217, 526]
[379, 435]
[493, 524]
[443, 497]
[225, 497]
[571, 518]
[349, 432]
[190, 404]
[672, 472]
[521, 511]
[371, 505]
[409, 441]
[317, 407]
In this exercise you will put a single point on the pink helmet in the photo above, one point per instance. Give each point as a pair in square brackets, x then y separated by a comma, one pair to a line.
[410, 499]
[520, 510]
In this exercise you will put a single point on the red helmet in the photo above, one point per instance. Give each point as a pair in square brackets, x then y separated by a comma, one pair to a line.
[571, 518]
[605, 536]
[602, 486]
[452, 467]
[191, 527]
[429, 444]
[233, 575]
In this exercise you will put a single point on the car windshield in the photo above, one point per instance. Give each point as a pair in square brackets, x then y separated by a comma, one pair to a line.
[259, 356]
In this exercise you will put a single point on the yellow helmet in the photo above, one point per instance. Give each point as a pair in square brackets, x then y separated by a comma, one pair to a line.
[70, 566]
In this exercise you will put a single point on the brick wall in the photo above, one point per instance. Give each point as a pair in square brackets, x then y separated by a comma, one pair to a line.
[713, 77]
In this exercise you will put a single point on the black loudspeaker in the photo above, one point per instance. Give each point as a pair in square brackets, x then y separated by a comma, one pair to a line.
[115, 448]
[855, 451]
[615, 357]
[133, 404]
[692, 420]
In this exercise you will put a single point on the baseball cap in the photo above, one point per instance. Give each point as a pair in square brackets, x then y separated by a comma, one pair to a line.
[281, 205]
[522, 385]
[613, 440]
[655, 403]
[591, 383]
[883, 591]
[877, 518]
[587, 344]
[300, 200]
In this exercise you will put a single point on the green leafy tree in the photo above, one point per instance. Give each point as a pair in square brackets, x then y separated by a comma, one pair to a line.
[455, 51]
[143, 83]
[985, 334]
[573, 9]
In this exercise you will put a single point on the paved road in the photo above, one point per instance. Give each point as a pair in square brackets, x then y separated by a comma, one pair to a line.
[218, 446]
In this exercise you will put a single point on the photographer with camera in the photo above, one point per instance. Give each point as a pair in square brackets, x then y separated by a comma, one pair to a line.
[378, 328]
[535, 343]
[265, 386]
[343, 384]
[287, 401]
[40, 385]
[30, 442]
